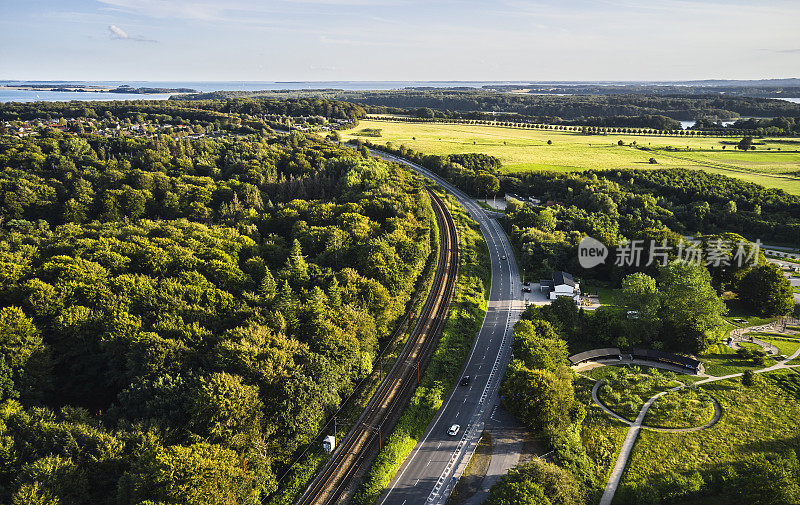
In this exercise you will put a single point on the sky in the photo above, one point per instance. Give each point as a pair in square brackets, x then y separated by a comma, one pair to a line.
[320, 40]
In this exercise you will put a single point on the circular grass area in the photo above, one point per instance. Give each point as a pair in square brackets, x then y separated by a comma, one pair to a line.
[684, 408]
[625, 392]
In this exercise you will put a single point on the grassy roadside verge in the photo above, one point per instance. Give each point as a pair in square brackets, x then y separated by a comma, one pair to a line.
[464, 320]
[309, 464]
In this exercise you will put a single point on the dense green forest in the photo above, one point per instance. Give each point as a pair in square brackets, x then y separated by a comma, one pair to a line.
[683, 107]
[178, 317]
[656, 207]
[660, 206]
[774, 88]
[686, 201]
[777, 126]
[233, 116]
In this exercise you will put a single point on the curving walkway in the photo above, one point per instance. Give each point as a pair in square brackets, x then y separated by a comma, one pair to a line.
[636, 426]
[712, 422]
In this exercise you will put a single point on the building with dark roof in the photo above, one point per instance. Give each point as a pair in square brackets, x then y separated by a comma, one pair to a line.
[562, 284]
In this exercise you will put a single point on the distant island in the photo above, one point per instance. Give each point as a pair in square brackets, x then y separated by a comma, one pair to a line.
[85, 88]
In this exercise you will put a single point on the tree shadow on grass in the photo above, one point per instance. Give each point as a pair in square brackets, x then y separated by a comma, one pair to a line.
[777, 445]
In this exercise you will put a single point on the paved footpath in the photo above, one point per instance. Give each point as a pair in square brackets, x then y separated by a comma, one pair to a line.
[636, 426]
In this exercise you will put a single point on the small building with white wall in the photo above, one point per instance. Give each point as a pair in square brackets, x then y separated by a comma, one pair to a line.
[562, 284]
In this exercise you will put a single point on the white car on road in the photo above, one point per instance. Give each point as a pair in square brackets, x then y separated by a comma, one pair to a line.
[453, 431]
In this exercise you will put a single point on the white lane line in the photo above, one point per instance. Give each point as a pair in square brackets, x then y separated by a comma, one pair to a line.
[489, 228]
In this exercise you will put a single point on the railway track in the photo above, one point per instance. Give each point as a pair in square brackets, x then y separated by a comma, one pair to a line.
[367, 436]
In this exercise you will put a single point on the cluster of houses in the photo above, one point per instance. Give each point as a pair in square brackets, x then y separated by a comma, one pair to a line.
[24, 128]
[536, 202]
[524, 199]
[316, 123]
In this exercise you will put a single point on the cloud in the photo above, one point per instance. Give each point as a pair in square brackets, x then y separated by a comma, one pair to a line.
[117, 33]
[233, 11]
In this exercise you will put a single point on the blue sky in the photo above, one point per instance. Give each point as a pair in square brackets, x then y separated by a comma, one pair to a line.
[398, 39]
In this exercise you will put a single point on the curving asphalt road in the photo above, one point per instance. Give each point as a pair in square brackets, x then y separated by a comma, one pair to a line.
[427, 474]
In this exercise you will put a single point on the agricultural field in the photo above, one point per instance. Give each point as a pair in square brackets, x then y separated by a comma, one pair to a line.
[774, 163]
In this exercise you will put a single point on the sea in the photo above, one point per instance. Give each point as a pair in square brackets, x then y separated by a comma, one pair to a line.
[13, 95]
[24, 95]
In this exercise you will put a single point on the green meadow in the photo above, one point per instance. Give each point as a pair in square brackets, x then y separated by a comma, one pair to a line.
[522, 150]
[761, 418]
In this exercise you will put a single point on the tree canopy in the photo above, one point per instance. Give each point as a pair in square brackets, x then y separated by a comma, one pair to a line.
[179, 316]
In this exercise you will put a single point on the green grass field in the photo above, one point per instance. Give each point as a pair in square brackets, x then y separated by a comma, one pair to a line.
[523, 150]
[721, 360]
[685, 408]
[762, 418]
[626, 392]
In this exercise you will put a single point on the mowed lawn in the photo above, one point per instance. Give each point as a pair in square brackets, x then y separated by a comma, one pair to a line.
[523, 150]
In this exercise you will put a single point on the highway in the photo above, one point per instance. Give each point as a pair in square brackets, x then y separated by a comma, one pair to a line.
[427, 475]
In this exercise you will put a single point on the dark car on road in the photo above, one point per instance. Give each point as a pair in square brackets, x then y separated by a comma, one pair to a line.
[465, 380]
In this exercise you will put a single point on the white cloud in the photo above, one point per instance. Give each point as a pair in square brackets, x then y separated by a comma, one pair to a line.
[117, 33]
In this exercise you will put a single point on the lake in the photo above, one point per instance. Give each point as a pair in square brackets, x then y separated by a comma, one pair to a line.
[688, 124]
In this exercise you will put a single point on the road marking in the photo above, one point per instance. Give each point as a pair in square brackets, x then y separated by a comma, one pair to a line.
[495, 236]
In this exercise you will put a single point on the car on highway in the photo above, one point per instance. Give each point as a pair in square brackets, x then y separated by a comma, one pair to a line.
[465, 380]
[526, 290]
[502, 257]
[453, 431]
[526, 283]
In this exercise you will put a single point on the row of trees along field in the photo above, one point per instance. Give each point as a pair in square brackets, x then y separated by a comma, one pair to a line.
[178, 317]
